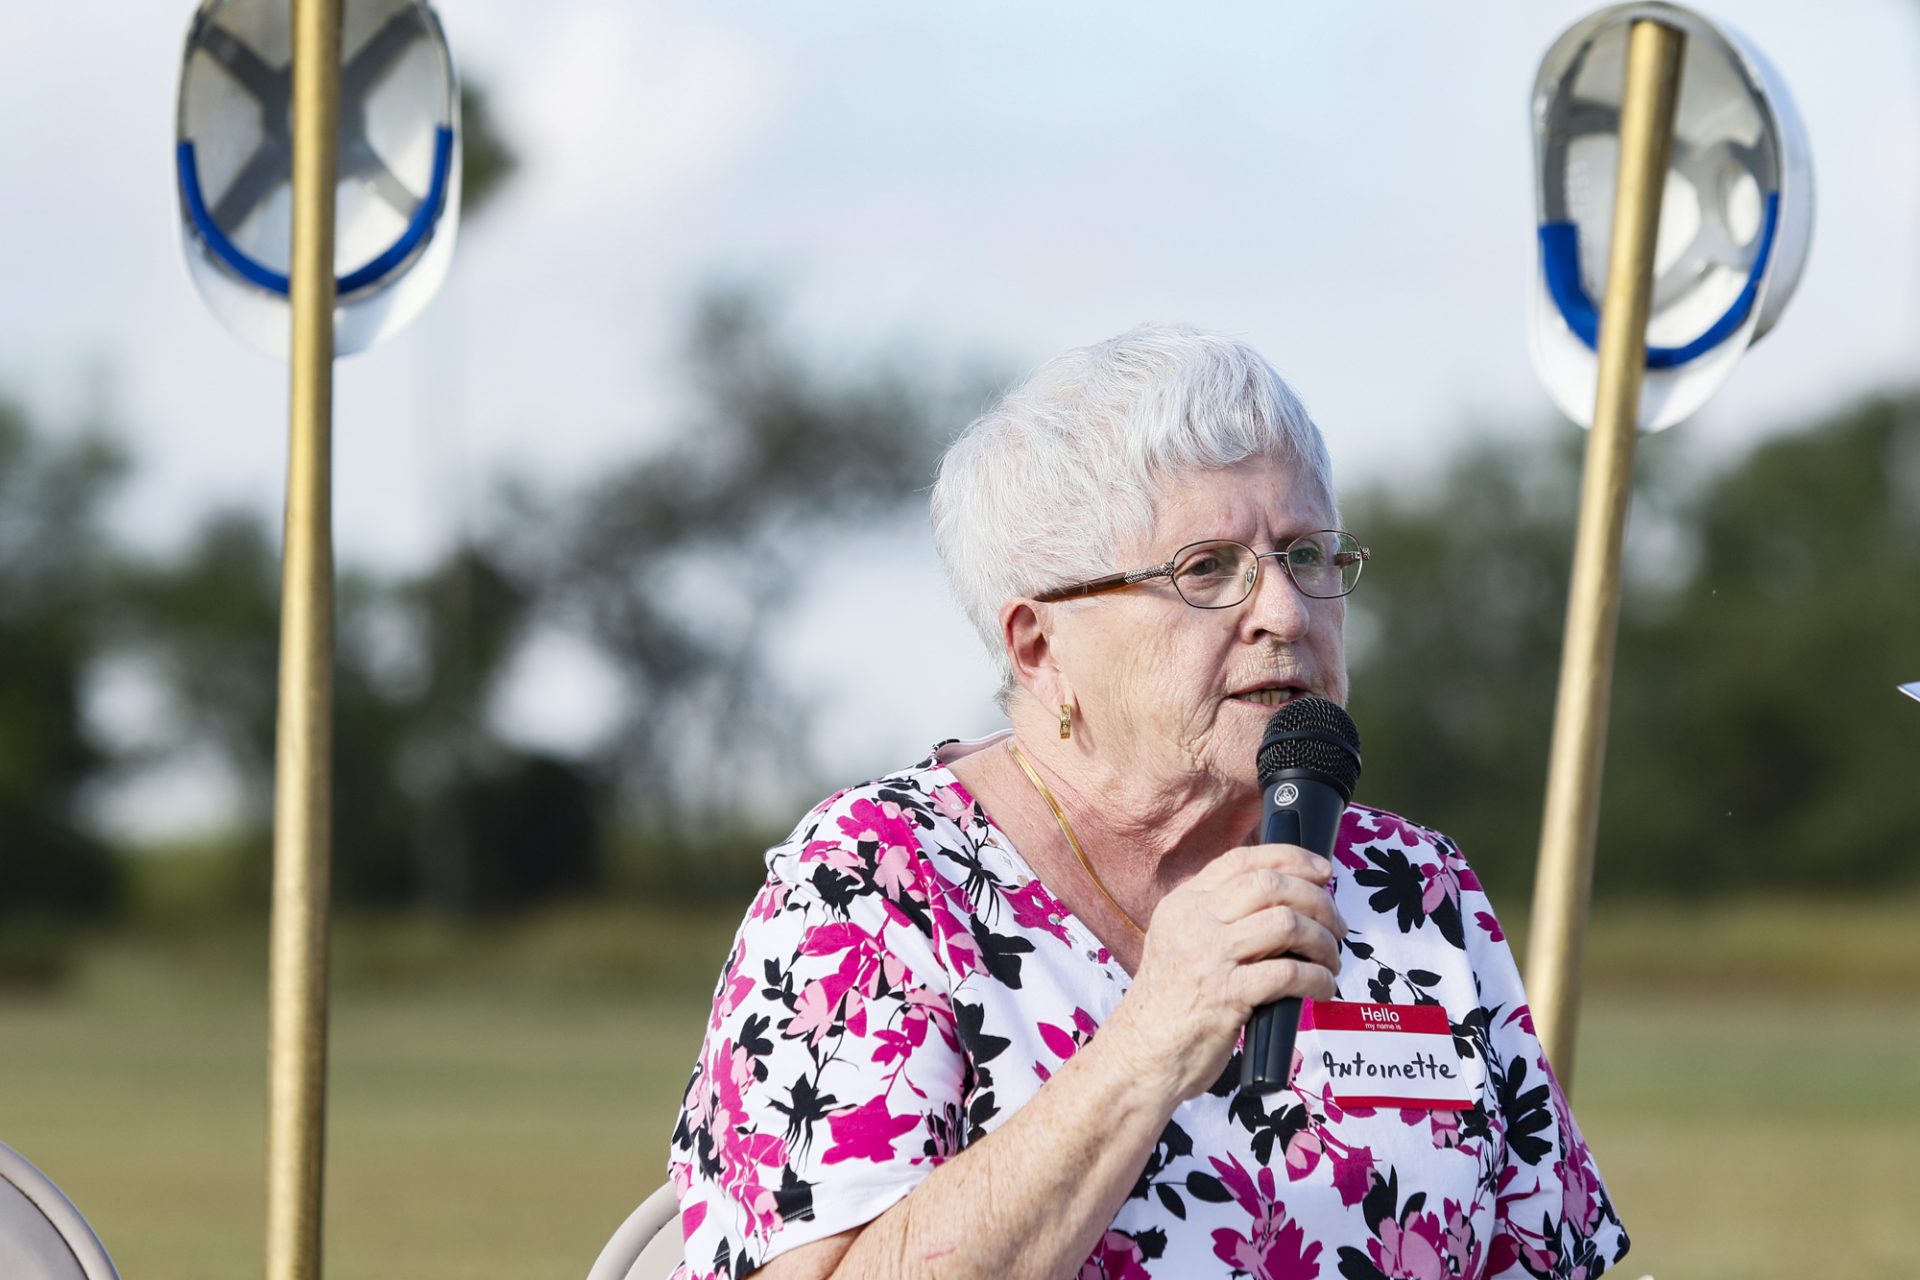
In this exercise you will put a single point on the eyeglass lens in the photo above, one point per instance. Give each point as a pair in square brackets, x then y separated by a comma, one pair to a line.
[1215, 575]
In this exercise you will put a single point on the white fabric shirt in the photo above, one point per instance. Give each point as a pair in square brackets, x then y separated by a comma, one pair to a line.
[903, 983]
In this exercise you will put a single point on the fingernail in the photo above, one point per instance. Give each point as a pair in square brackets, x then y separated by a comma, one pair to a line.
[1321, 865]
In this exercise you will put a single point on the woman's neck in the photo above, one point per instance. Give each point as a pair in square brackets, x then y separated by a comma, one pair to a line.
[1151, 832]
[1143, 836]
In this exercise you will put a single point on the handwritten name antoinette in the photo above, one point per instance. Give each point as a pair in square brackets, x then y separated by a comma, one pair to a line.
[1422, 1066]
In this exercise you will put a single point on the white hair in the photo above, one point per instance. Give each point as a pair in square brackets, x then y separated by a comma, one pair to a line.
[1046, 486]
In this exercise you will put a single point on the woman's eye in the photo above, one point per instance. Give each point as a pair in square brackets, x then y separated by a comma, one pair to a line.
[1203, 566]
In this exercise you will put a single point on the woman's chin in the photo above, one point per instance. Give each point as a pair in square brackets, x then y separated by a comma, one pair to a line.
[1242, 725]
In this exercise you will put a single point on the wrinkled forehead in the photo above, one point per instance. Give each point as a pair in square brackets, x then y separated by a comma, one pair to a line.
[1264, 502]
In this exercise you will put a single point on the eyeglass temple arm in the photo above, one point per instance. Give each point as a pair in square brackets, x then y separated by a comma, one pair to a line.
[1111, 582]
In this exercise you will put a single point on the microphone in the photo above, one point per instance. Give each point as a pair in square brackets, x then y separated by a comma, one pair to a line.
[1309, 760]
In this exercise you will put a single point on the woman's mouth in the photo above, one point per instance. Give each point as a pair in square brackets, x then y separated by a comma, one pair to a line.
[1270, 695]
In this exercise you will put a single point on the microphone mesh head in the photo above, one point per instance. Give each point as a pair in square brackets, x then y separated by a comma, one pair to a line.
[1314, 735]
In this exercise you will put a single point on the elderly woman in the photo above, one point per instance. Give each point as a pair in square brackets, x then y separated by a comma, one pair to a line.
[983, 1018]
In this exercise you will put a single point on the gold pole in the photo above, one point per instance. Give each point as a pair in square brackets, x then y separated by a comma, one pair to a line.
[1565, 881]
[297, 1004]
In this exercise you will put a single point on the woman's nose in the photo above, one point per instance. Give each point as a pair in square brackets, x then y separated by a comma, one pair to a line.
[1276, 606]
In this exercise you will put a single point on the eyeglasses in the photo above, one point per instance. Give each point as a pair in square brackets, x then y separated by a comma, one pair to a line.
[1220, 574]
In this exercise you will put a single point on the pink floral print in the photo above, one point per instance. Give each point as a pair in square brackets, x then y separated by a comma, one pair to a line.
[903, 983]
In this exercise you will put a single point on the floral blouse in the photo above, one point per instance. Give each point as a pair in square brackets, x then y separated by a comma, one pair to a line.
[903, 983]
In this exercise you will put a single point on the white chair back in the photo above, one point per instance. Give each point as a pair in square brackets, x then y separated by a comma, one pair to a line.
[648, 1245]
[42, 1236]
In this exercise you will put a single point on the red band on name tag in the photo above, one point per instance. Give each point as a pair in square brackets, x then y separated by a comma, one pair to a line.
[1385, 1055]
[1351, 1015]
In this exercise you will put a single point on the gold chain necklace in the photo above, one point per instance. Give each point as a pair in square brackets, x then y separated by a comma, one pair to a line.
[1066, 829]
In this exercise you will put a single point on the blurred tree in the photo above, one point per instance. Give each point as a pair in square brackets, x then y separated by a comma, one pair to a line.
[1455, 637]
[498, 827]
[421, 788]
[53, 557]
[1776, 750]
[208, 621]
[675, 566]
[487, 161]
[1755, 737]
[679, 564]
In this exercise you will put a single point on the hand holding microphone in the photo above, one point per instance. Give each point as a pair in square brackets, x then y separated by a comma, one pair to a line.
[1249, 935]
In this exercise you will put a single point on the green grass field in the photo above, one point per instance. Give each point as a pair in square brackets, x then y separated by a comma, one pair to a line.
[500, 1100]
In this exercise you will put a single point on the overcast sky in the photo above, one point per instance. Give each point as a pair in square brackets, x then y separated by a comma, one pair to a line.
[1347, 186]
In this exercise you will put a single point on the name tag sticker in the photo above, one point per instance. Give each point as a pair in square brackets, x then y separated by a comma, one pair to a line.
[1385, 1055]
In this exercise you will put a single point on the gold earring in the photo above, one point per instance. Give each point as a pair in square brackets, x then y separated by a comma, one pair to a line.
[1066, 720]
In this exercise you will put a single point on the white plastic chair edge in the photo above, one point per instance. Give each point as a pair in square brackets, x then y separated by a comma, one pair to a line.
[658, 1213]
[60, 1211]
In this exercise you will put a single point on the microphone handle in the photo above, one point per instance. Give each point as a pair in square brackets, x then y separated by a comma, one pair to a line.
[1313, 822]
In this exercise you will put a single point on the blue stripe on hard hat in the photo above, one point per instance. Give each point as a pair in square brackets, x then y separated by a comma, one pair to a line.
[375, 270]
[1560, 259]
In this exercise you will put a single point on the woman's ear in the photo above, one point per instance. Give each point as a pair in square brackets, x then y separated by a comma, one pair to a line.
[1026, 628]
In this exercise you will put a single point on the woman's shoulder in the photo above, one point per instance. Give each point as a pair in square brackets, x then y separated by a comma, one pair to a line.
[1414, 874]
[887, 822]
[1371, 837]
[903, 861]
[1366, 824]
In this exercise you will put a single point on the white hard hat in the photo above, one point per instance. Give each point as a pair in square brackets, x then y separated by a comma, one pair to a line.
[398, 199]
[1736, 215]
